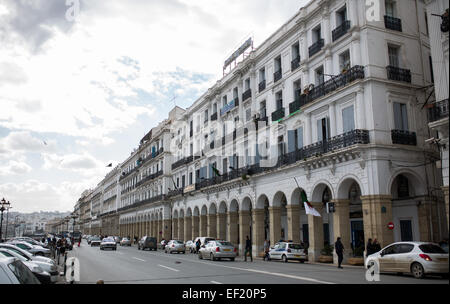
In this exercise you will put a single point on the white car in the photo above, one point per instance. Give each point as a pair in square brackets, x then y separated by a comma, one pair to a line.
[108, 242]
[43, 276]
[13, 271]
[418, 258]
[286, 251]
[51, 269]
[34, 249]
[28, 254]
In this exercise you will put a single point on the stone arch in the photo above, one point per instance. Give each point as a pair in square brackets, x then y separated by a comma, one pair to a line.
[223, 207]
[212, 208]
[181, 213]
[175, 214]
[189, 211]
[319, 188]
[279, 199]
[296, 198]
[246, 204]
[196, 211]
[416, 184]
[234, 205]
[204, 210]
[345, 185]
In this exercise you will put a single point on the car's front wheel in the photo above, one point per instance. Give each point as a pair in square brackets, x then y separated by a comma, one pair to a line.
[211, 257]
[417, 270]
[284, 259]
[200, 256]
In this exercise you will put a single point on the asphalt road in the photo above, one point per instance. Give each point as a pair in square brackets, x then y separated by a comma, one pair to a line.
[128, 265]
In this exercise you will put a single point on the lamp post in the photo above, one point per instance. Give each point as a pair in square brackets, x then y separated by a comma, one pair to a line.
[7, 215]
[3, 206]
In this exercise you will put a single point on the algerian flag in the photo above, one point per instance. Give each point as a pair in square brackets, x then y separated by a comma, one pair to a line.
[216, 172]
[308, 207]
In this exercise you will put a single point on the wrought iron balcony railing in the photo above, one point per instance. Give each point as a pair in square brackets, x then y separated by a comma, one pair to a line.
[262, 86]
[341, 30]
[398, 74]
[438, 111]
[278, 114]
[214, 117]
[316, 47]
[277, 75]
[393, 23]
[295, 64]
[402, 137]
[247, 94]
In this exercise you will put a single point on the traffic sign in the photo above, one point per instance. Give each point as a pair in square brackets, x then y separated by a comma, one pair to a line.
[391, 225]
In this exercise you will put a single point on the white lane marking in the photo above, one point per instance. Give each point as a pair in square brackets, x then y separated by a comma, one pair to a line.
[215, 282]
[261, 271]
[168, 268]
[139, 259]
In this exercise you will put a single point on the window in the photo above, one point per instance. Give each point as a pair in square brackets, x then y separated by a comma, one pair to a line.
[206, 116]
[224, 100]
[190, 178]
[348, 119]
[341, 16]
[400, 116]
[295, 51]
[262, 109]
[430, 248]
[215, 108]
[262, 74]
[426, 24]
[278, 64]
[320, 78]
[390, 8]
[247, 84]
[405, 234]
[344, 61]
[323, 129]
[235, 93]
[183, 181]
[392, 249]
[393, 56]
[297, 85]
[279, 100]
[248, 114]
[431, 68]
[316, 34]
[295, 139]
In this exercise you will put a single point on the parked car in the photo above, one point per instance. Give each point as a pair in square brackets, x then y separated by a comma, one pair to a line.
[147, 242]
[34, 249]
[125, 242]
[418, 258]
[13, 271]
[27, 253]
[95, 241]
[190, 246]
[117, 239]
[89, 239]
[216, 250]
[286, 251]
[203, 240]
[108, 242]
[163, 244]
[175, 246]
[29, 240]
[43, 276]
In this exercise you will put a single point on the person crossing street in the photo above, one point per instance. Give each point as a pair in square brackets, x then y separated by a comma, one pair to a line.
[248, 249]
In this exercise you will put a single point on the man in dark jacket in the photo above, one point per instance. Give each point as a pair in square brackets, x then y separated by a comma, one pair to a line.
[369, 248]
[248, 249]
[376, 246]
[339, 251]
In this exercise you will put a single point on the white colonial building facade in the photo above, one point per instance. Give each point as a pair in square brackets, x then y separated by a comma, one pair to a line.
[330, 104]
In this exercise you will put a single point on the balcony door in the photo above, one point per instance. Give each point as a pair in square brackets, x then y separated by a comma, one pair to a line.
[323, 129]
[400, 116]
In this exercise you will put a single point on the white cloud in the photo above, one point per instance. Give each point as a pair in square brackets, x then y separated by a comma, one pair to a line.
[15, 168]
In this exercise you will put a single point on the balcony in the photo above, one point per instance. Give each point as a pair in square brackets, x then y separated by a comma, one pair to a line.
[393, 23]
[277, 75]
[214, 117]
[398, 74]
[149, 177]
[438, 111]
[341, 30]
[247, 94]
[262, 86]
[175, 192]
[180, 162]
[340, 81]
[295, 64]
[402, 137]
[298, 103]
[316, 47]
[278, 114]
[234, 103]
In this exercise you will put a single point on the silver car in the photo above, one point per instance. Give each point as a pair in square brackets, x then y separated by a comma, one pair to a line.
[34, 249]
[13, 271]
[95, 241]
[190, 246]
[27, 253]
[175, 246]
[217, 250]
[108, 243]
[125, 242]
[286, 251]
[418, 258]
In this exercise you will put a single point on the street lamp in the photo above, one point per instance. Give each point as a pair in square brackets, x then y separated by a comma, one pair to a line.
[7, 215]
[3, 206]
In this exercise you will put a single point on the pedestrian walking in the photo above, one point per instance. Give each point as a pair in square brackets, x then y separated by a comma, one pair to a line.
[339, 251]
[248, 249]
[376, 246]
[266, 250]
[197, 245]
[369, 247]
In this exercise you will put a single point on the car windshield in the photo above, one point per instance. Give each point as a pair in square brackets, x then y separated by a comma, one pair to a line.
[295, 246]
[108, 240]
[125, 239]
[96, 239]
[22, 273]
[431, 248]
[224, 243]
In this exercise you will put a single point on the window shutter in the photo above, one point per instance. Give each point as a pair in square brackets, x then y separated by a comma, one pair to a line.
[404, 118]
[300, 138]
[319, 130]
[398, 116]
[291, 141]
[348, 119]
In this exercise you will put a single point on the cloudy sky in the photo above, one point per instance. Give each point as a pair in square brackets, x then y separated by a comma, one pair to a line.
[76, 95]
